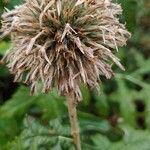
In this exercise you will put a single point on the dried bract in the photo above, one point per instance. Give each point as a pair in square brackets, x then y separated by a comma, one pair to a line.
[63, 43]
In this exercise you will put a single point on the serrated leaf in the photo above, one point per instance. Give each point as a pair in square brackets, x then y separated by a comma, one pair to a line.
[37, 136]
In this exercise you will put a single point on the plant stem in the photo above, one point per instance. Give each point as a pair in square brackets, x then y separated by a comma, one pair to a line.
[74, 120]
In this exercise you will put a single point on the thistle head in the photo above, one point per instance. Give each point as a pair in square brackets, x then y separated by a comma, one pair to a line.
[63, 43]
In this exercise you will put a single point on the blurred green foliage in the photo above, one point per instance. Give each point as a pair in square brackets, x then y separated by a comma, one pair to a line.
[117, 119]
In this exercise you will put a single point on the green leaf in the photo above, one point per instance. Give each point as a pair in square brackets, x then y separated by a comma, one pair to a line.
[86, 95]
[37, 136]
[4, 46]
[133, 140]
[101, 105]
[51, 104]
[18, 105]
[125, 99]
[101, 141]
[130, 6]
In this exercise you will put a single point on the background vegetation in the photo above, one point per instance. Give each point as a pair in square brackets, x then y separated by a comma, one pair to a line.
[117, 119]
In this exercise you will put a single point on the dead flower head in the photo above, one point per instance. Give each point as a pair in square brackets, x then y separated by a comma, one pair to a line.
[63, 43]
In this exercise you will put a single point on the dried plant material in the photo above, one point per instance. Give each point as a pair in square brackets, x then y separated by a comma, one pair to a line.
[5, 1]
[62, 43]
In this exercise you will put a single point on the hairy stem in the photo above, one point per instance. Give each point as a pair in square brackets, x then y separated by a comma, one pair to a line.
[74, 121]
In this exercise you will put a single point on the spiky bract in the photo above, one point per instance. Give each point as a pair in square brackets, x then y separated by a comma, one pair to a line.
[63, 43]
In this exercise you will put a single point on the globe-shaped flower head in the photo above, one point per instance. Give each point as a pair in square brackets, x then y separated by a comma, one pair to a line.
[63, 43]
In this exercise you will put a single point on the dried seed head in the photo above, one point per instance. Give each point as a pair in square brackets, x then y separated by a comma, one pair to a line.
[62, 43]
